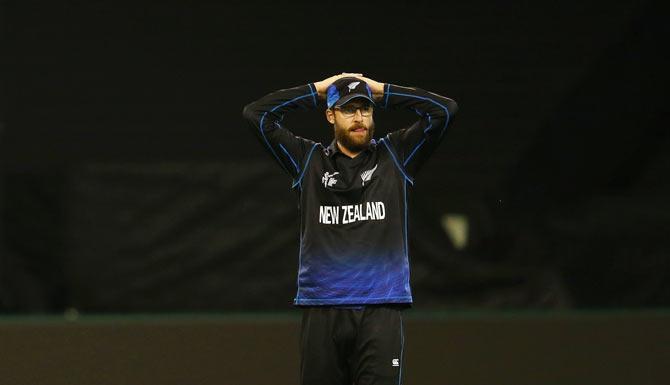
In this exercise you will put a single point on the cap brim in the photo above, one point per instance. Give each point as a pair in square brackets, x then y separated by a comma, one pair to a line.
[347, 98]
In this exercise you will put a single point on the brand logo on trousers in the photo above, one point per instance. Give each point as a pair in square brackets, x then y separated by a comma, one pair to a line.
[395, 362]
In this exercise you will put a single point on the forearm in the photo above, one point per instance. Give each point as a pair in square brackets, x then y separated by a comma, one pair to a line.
[270, 108]
[439, 109]
[416, 143]
[264, 116]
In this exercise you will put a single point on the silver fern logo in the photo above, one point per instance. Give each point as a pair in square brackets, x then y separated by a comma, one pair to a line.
[367, 175]
[353, 85]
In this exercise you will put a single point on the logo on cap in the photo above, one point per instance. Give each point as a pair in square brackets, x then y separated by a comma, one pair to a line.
[353, 85]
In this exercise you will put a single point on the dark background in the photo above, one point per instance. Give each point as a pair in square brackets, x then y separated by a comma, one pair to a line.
[130, 182]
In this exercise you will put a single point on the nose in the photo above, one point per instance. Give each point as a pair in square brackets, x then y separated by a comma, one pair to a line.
[358, 115]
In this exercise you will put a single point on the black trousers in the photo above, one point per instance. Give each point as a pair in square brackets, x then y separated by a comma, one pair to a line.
[345, 346]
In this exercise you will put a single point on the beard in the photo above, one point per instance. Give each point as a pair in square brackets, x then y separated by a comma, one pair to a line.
[354, 141]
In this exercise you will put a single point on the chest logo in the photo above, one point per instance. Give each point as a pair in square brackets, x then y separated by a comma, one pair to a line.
[329, 179]
[367, 174]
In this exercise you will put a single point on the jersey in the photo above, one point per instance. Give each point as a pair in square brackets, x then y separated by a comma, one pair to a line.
[353, 211]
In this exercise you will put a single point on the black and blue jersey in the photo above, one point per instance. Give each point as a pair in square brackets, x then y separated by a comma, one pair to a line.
[353, 228]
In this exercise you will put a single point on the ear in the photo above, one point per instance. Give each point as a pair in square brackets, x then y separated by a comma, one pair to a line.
[330, 116]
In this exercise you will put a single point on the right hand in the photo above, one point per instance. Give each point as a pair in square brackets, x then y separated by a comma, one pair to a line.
[322, 86]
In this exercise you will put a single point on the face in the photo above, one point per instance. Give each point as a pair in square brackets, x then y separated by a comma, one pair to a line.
[353, 123]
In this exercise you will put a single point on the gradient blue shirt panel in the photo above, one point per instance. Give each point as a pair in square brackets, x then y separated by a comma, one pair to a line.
[348, 259]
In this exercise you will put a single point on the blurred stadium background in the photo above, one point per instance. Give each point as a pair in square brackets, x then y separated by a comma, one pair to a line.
[147, 238]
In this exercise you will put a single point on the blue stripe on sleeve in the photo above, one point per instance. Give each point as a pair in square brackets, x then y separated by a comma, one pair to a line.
[430, 125]
[309, 156]
[267, 142]
[423, 140]
[297, 169]
[311, 87]
[430, 100]
[395, 160]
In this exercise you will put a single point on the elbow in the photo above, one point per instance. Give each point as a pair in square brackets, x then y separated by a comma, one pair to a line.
[253, 111]
[446, 114]
[452, 107]
[249, 112]
[251, 115]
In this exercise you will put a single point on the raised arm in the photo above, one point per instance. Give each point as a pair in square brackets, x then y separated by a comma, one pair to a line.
[265, 116]
[414, 145]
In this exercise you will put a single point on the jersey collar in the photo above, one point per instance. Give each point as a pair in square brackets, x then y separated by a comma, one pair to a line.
[333, 149]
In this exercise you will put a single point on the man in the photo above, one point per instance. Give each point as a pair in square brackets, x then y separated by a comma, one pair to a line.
[353, 278]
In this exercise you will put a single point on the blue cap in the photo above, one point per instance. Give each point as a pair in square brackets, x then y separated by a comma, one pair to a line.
[345, 89]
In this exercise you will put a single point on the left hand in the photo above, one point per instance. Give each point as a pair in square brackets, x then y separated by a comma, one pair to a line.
[322, 85]
[376, 87]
